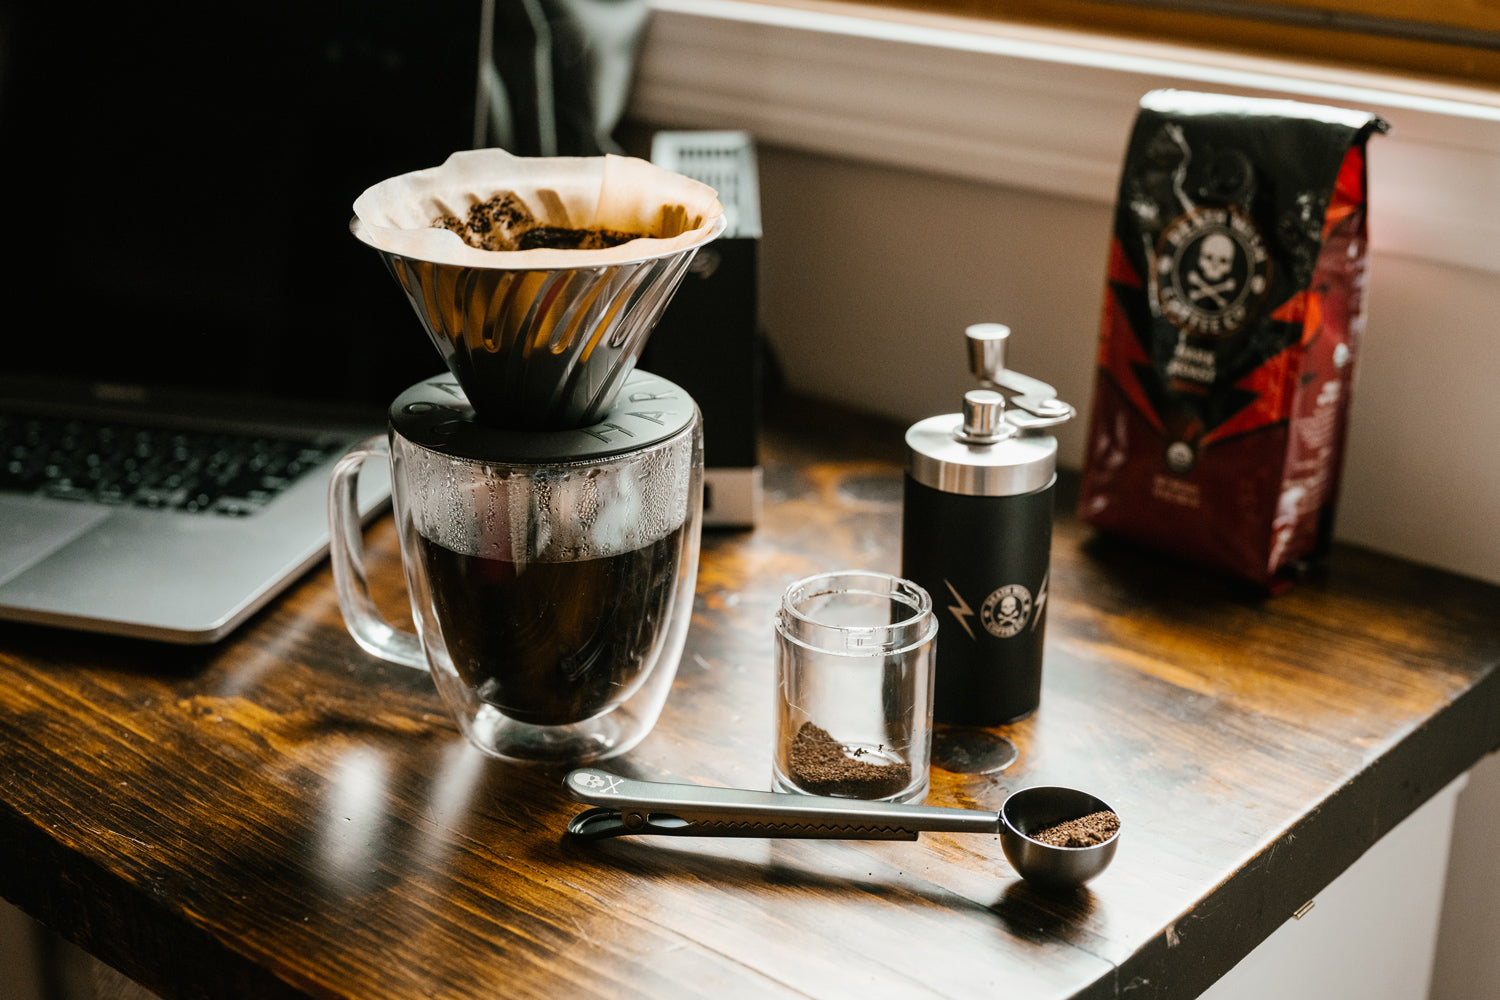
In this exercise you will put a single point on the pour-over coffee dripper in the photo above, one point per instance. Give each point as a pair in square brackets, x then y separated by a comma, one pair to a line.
[548, 496]
[540, 338]
[543, 347]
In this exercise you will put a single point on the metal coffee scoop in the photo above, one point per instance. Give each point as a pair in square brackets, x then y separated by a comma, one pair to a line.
[625, 806]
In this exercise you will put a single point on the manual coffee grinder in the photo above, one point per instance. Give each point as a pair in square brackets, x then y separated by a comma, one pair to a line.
[977, 535]
[548, 496]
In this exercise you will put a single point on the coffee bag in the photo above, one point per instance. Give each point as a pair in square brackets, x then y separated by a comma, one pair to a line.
[1233, 310]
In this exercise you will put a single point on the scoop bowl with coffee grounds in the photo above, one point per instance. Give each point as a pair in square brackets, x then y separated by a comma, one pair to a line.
[1058, 838]
[625, 806]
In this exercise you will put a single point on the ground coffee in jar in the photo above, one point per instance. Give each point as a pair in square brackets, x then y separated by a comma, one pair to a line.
[1233, 308]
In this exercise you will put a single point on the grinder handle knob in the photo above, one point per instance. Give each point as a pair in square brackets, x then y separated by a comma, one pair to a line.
[987, 349]
[984, 417]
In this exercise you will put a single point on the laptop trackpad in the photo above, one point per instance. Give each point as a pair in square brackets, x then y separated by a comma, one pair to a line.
[35, 526]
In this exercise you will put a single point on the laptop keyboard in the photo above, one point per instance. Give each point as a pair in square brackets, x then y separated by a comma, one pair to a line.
[194, 471]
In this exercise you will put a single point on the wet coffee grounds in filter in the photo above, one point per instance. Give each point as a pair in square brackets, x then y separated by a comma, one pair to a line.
[820, 765]
[505, 222]
[1085, 831]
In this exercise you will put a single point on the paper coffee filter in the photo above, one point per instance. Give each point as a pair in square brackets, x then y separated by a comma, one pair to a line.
[540, 338]
[597, 192]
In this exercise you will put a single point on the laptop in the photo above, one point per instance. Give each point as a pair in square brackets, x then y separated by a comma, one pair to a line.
[178, 180]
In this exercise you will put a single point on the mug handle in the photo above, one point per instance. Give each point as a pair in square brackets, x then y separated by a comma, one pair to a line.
[346, 551]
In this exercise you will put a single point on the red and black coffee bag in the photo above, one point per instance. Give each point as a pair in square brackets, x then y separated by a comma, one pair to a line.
[1232, 313]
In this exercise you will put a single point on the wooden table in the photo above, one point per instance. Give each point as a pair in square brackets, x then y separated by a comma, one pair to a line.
[282, 816]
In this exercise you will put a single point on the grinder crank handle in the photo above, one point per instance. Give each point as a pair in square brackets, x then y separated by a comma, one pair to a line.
[1036, 400]
[625, 806]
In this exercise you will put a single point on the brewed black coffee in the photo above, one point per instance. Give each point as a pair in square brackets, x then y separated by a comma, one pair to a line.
[553, 643]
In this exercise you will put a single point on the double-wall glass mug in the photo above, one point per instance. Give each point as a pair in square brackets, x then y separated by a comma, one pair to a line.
[551, 572]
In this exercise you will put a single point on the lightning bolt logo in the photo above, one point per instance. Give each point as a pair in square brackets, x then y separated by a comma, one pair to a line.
[961, 611]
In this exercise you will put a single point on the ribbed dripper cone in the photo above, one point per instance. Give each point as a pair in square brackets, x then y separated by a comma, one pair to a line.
[540, 339]
[546, 347]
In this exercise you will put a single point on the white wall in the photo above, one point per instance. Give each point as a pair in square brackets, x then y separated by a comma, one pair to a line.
[1345, 943]
[19, 956]
[1468, 961]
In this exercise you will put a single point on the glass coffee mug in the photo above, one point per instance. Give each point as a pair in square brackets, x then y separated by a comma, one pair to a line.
[551, 572]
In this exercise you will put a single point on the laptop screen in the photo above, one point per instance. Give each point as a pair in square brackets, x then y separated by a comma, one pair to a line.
[178, 178]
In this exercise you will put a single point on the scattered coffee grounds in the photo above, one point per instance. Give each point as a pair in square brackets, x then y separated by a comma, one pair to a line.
[505, 222]
[821, 765]
[1085, 831]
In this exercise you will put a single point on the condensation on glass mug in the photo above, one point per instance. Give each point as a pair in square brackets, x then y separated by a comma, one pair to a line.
[551, 573]
[854, 676]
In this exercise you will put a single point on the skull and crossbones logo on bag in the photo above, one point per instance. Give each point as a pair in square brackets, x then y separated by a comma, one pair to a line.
[1212, 270]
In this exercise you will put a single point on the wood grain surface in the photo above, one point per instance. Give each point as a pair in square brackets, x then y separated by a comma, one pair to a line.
[283, 816]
